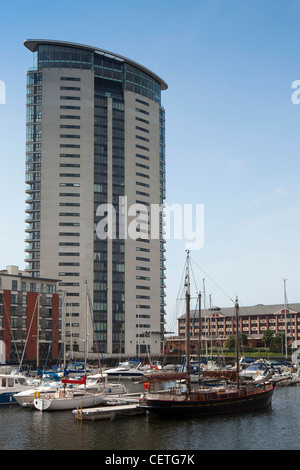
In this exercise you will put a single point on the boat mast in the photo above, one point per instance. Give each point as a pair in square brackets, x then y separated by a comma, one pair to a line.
[285, 311]
[187, 329]
[199, 334]
[237, 343]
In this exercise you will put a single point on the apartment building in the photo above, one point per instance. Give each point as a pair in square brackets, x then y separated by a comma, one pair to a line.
[29, 316]
[95, 153]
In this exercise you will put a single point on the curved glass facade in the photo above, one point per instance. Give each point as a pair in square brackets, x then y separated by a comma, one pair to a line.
[130, 78]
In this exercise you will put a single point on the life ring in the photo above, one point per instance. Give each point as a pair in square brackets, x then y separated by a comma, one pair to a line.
[146, 386]
[36, 394]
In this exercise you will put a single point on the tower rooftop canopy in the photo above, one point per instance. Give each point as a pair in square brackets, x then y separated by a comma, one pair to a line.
[32, 45]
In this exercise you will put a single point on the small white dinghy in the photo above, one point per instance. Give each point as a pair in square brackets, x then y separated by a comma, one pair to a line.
[68, 399]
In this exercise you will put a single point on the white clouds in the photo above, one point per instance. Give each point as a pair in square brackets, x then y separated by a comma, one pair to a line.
[271, 197]
[236, 164]
[278, 193]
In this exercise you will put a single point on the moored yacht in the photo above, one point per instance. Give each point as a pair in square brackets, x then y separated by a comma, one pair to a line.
[126, 369]
[11, 384]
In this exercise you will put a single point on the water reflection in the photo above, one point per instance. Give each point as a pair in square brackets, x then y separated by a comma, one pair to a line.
[275, 428]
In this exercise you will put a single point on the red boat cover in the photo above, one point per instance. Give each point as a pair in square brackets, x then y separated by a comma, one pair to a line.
[74, 381]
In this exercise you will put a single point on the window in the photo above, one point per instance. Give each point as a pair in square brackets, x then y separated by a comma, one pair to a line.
[142, 138]
[69, 204]
[69, 224]
[69, 155]
[68, 254]
[142, 111]
[74, 79]
[68, 274]
[69, 214]
[142, 120]
[140, 165]
[14, 285]
[67, 116]
[76, 88]
[143, 157]
[68, 244]
[142, 148]
[70, 175]
[70, 146]
[69, 234]
[142, 175]
[69, 107]
[70, 97]
[142, 102]
[69, 126]
[69, 136]
[69, 165]
[145, 185]
[138, 128]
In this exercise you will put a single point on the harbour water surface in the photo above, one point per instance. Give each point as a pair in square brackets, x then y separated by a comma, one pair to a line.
[277, 428]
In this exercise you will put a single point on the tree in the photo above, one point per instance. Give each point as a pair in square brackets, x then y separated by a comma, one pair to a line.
[268, 338]
[243, 339]
[279, 342]
[230, 343]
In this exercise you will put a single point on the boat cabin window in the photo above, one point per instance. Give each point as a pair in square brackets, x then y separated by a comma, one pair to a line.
[21, 380]
[257, 367]
[10, 382]
[3, 382]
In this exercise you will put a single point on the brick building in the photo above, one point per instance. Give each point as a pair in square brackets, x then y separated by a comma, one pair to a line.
[217, 324]
[25, 303]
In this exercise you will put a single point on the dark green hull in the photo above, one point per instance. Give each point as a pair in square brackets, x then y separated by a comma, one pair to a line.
[230, 404]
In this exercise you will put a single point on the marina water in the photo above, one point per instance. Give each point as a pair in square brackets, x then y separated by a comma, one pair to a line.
[276, 428]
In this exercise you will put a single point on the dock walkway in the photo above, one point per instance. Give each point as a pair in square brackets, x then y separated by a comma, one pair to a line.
[108, 412]
[127, 405]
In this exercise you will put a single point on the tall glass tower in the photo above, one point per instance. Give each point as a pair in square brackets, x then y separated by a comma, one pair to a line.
[95, 151]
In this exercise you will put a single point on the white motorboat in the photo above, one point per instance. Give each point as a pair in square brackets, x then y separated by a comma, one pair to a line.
[11, 384]
[26, 397]
[258, 371]
[126, 369]
[286, 377]
[98, 383]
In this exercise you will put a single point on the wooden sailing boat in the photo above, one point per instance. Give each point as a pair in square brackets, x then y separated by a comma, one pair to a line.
[204, 401]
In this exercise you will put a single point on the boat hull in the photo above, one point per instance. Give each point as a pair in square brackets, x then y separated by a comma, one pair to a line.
[62, 403]
[184, 408]
[7, 398]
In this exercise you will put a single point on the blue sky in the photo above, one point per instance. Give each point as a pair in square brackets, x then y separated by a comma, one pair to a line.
[233, 139]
